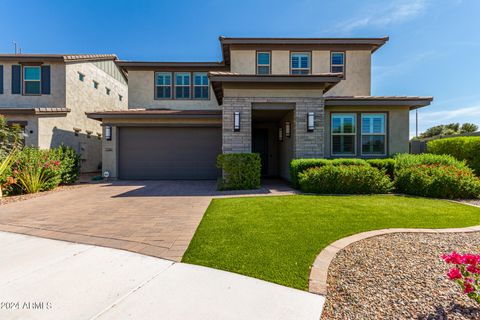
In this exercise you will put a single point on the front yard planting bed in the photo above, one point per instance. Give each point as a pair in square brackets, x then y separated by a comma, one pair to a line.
[277, 238]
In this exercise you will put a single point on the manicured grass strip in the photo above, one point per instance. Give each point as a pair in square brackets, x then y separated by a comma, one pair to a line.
[278, 238]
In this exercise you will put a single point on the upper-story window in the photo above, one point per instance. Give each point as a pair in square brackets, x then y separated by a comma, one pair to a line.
[263, 63]
[343, 134]
[95, 84]
[200, 85]
[182, 85]
[81, 76]
[32, 80]
[373, 134]
[163, 85]
[300, 63]
[338, 62]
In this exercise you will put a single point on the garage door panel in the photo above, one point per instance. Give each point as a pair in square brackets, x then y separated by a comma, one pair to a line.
[169, 153]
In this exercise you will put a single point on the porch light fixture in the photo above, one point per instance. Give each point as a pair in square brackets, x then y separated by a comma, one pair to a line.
[108, 133]
[280, 134]
[310, 121]
[288, 129]
[236, 121]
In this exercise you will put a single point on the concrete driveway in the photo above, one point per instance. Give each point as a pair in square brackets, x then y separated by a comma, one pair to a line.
[156, 218]
[49, 279]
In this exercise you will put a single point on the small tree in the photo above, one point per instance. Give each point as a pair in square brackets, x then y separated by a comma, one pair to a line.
[468, 128]
[9, 143]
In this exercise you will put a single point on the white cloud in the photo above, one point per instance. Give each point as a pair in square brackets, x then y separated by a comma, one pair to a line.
[382, 15]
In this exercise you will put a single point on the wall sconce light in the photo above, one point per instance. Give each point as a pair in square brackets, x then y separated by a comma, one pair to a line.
[236, 121]
[108, 133]
[288, 129]
[310, 121]
[280, 134]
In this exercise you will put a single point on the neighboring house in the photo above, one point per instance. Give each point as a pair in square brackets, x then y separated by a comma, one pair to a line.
[49, 94]
[281, 97]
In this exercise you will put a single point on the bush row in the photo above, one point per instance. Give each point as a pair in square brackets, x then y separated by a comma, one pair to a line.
[35, 170]
[462, 148]
[241, 171]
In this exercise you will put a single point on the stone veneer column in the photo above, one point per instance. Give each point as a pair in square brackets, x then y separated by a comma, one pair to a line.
[241, 141]
[309, 144]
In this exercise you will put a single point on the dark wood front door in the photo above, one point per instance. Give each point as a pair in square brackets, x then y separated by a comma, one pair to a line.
[260, 145]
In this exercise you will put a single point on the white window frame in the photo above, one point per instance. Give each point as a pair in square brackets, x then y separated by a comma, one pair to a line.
[337, 65]
[189, 85]
[25, 81]
[384, 134]
[157, 86]
[309, 55]
[354, 134]
[200, 85]
[269, 64]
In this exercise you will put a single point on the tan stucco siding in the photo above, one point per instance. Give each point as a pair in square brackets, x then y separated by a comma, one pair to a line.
[357, 80]
[243, 61]
[397, 126]
[280, 62]
[320, 61]
[57, 88]
[141, 88]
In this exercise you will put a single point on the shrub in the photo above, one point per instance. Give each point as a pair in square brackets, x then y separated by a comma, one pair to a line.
[69, 164]
[466, 273]
[241, 171]
[462, 148]
[388, 165]
[36, 170]
[298, 166]
[345, 179]
[405, 160]
[438, 181]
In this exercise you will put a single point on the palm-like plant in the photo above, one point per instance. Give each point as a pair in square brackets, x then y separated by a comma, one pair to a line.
[5, 164]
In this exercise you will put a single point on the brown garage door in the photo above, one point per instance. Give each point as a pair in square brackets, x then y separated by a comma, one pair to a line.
[169, 152]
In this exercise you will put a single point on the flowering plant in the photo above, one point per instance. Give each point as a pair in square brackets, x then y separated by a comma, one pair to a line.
[466, 272]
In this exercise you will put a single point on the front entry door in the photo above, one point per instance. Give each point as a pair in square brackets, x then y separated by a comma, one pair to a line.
[260, 145]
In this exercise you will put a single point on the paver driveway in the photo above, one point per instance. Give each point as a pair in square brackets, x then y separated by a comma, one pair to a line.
[157, 218]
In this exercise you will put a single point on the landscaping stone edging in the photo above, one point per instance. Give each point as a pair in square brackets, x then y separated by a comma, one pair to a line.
[317, 282]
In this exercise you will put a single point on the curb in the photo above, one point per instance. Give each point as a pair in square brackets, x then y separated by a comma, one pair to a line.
[317, 282]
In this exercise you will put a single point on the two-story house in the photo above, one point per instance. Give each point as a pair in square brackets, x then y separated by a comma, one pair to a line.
[49, 94]
[284, 98]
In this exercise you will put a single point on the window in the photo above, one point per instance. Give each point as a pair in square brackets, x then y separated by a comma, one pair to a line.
[163, 85]
[300, 63]
[120, 97]
[107, 91]
[31, 80]
[95, 84]
[343, 134]
[263, 62]
[200, 85]
[338, 62]
[373, 134]
[81, 76]
[182, 85]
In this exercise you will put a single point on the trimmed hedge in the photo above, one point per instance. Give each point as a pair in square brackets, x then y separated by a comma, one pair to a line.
[387, 165]
[345, 179]
[462, 148]
[405, 160]
[438, 181]
[241, 171]
[298, 166]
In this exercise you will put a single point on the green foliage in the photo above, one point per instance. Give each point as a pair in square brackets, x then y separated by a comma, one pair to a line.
[449, 129]
[69, 164]
[438, 181]
[387, 165]
[406, 160]
[298, 166]
[10, 137]
[241, 171]
[36, 170]
[345, 179]
[468, 128]
[462, 148]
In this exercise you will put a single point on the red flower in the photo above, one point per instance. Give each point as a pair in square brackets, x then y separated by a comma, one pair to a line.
[454, 273]
[471, 259]
[468, 288]
[473, 269]
[453, 257]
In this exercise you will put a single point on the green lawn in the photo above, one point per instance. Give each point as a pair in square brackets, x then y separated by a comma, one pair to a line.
[278, 238]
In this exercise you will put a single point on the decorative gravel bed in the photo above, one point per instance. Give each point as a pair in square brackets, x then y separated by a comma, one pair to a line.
[399, 276]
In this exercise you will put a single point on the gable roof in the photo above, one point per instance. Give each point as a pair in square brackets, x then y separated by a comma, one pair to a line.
[58, 57]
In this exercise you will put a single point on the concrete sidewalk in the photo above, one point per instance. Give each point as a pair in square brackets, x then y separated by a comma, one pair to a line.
[49, 279]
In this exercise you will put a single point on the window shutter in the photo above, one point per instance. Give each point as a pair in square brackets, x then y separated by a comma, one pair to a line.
[16, 79]
[1, 79]
[45, 79]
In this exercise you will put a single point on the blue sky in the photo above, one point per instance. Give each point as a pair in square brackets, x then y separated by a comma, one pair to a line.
[434, 46]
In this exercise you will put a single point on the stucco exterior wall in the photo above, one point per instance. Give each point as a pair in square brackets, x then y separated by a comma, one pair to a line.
[243, 61]
[280, 62]
[141, 89]
[397, 126]
[57, 88]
